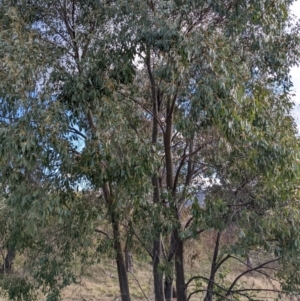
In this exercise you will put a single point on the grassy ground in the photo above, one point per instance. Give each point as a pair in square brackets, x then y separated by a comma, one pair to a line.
[100, 281]
[101, 284]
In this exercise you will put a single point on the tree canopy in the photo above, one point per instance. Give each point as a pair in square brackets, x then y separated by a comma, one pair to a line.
[144, 125]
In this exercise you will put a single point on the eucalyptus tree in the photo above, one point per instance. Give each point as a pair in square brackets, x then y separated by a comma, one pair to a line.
[214, 66]
[146, 103]
[54, 99]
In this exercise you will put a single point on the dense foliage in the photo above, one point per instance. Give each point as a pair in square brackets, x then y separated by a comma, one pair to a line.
[141, 125]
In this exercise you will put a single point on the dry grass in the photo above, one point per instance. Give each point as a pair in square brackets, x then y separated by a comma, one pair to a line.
[101, 284]
[100, 281]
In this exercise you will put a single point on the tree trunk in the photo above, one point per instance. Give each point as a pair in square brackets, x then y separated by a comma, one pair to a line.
[8, 261]
[210, 285]
[170, 291]
[169, 288]
[157, 249]
[122, 274]
[128, 246]
[128, 260]
[249, 263]
[179, 268]
[157, 275]
[109, 199]
[10, 256]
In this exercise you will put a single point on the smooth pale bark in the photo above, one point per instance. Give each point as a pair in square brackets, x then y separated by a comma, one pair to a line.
[128, 260]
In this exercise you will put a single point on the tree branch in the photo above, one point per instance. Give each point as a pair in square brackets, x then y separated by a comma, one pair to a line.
[145, 108]
[141, 242]
[102, 232]
[248, 271]
[75, 131]
[181, 164]
[219, 263]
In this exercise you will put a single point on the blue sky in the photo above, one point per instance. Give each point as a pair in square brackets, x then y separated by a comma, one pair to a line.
[295, 72]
